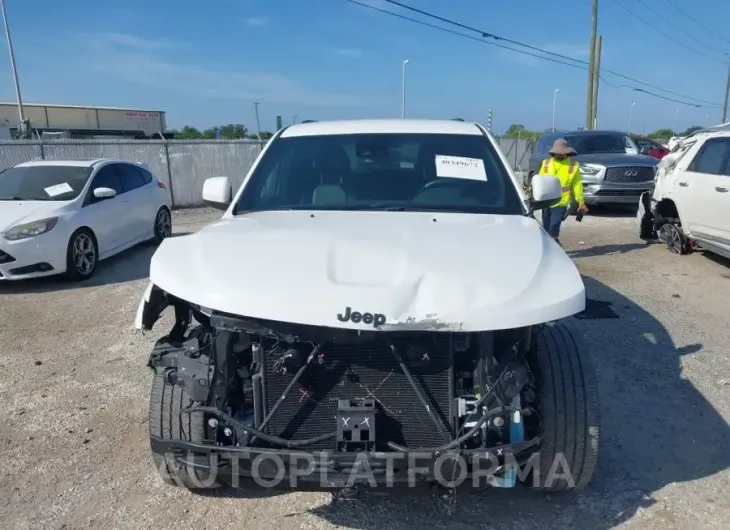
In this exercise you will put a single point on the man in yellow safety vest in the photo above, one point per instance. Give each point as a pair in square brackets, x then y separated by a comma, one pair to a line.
[560, 165]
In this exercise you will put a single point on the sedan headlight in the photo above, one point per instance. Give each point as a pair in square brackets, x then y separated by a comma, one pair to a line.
[31, 229]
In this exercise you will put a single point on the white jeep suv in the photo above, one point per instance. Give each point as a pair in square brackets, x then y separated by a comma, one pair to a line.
[375, 291]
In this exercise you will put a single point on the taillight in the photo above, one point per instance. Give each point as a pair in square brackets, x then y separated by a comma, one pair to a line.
[161, 185]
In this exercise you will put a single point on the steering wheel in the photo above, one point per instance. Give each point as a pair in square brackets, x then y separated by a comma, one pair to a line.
[441, 183]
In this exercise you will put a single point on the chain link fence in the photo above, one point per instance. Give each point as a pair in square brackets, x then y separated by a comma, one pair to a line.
[182, 165]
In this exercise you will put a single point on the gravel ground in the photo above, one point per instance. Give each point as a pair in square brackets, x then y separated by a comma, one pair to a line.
[73, 432]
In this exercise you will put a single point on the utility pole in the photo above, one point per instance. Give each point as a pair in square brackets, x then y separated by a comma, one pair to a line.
[489, 121]
[258, 123]
[23, 126]
[591, 64]
[596, 75]
[727, 92]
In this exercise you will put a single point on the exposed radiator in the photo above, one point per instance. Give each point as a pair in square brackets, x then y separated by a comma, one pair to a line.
[366, 370]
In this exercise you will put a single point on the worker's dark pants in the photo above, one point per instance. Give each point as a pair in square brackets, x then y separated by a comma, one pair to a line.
[552, 218]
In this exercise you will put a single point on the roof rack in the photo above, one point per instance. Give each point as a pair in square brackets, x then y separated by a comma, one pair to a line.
[308, 121]
[457, 119]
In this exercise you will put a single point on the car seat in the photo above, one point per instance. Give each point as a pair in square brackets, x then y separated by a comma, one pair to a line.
[333, 167]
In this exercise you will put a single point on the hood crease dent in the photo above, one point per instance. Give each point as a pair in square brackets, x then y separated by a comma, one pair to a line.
[420, 271]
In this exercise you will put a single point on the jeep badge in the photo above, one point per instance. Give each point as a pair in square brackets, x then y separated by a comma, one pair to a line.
[376, 319]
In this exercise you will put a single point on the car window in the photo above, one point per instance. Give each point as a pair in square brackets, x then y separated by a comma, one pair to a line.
[432, 172]
[586, 144]
[146, 175]
[712, 158]
[545, 143]
[43, 182]
[131, 178]
[106, 177]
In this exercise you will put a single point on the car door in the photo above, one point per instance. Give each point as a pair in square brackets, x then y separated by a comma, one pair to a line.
[104, 216]
[140, 218]
[708, 175]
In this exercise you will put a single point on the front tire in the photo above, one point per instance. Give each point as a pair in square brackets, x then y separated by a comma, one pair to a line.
[82, 255]
[569, 411]
[167, 421]
[673, 237]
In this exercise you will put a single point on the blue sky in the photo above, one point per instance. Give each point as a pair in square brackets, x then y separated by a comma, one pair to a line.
[205, 63]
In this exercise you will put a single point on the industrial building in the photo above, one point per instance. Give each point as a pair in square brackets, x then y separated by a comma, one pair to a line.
[73, 121]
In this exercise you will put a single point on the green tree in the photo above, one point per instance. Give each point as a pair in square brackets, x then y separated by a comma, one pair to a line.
[265, 135]
[188, 133]
[517, 130]
[662, 134]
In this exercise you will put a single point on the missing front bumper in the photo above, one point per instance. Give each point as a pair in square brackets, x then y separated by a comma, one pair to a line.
[327, 470]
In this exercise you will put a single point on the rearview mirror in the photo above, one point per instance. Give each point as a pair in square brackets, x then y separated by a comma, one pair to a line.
[104, 193]
[546, 191]
[217, 192]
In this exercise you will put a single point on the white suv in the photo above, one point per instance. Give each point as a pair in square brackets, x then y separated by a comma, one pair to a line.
[689, 206]
[375, 290]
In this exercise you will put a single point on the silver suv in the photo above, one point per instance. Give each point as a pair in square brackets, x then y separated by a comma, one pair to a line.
[613, 170]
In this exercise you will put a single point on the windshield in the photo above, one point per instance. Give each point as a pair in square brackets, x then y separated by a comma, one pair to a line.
[43, 183]
[401, 172]
[589, 144]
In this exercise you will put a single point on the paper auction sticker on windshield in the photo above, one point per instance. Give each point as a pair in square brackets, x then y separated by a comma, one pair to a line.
[459, 167]
[58, 189]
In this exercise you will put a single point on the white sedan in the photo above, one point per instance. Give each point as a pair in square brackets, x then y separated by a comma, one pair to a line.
[64, 216]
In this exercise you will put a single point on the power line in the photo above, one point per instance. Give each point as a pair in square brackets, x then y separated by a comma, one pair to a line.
[667, 35]
[675, 26]
[575, 63]
[699, 25]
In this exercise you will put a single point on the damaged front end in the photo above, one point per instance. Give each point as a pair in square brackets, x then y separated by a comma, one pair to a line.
[360, 408]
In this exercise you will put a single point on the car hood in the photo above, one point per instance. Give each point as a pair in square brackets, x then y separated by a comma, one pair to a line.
[16, 212]
[416, 270]
[616, 159]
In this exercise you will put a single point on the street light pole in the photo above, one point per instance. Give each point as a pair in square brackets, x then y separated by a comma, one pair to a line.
[22, 126]
[555, 101]
[403, 104]
[294, 119]
[631, 115]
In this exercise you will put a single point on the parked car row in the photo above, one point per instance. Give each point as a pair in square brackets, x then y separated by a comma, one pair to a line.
[613, 168]
[64, 216]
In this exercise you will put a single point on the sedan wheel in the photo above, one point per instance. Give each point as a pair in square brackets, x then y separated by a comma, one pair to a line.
[163, 225]
[82, 255]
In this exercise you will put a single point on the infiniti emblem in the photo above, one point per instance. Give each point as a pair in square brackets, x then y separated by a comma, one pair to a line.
[631, 173]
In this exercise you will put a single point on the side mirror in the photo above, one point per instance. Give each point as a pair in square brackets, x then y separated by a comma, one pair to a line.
[104, 193]
[217, 192]
[546, 191]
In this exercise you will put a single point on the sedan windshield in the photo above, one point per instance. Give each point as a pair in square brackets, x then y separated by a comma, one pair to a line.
[589, 144]
[384, 171]
[43, 183]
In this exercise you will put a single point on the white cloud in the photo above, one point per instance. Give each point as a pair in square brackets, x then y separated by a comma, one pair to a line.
[350, 52]
[256, 22]
[132, 41]
[140, 60]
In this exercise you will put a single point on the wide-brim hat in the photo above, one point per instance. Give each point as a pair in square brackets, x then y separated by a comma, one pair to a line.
[561, 147]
